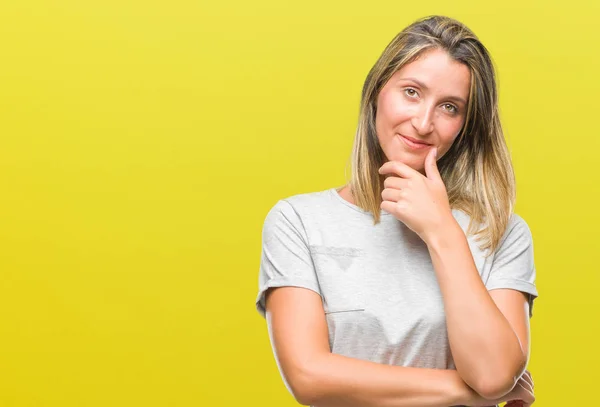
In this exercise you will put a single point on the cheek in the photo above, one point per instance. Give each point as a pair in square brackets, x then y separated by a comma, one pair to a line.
[449, 135]
[392, 110]
[451, 131]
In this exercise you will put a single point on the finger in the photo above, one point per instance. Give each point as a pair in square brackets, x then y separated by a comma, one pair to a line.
[398, 168]
[395, 182]
[431, 169]
[527, 393]
[527, 377]
[525, 384]
[389, 207]
[531, 379]
[392, 195]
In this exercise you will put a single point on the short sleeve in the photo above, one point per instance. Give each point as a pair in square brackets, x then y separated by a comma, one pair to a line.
[513, 264]
[285, 255]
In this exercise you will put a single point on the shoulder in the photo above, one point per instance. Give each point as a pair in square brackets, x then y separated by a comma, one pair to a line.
[300, 205]
[517, 230]
[308, 199]
[516, 233]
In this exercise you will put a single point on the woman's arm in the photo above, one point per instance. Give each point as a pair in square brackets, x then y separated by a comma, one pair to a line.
[315, 376]
[488, 332]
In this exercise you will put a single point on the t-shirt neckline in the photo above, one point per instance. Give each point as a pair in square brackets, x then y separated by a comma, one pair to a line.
[339, 198]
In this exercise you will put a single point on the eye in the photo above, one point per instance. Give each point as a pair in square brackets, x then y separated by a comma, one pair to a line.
[410, 92]
[453, 109]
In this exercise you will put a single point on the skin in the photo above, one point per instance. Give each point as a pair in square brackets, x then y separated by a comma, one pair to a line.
[432, 114]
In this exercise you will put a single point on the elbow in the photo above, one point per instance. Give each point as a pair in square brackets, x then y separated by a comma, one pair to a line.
[494, 387]
[303, 391]
[497, 385]
[304, 386]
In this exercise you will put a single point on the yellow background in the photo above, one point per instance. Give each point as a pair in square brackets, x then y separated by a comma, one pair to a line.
[143, 142]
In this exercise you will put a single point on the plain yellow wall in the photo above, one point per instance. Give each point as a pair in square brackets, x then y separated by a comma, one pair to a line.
[143, 142]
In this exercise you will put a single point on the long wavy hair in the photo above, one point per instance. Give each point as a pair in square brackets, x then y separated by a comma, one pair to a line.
[477, 170]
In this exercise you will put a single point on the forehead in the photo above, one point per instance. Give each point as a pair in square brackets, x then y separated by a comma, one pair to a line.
[439, 72]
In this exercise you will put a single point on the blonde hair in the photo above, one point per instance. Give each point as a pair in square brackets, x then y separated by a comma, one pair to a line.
[477, 170]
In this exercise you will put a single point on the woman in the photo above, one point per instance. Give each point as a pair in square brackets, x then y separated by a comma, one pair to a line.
[412, 285]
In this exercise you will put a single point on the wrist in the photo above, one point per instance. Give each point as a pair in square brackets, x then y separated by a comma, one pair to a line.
[445, 236]
[462, 394]
[466, 396]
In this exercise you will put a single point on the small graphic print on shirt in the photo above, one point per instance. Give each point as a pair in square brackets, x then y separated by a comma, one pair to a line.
[343, 256]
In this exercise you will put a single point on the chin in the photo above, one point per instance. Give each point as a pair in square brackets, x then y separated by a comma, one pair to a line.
[413, 163]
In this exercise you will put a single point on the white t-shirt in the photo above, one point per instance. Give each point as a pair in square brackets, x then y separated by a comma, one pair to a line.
[380, 293]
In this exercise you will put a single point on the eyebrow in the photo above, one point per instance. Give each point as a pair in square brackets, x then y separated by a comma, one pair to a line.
[421, 84]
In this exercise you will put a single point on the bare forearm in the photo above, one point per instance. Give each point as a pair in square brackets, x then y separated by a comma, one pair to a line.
[483, 344]
[337, 381]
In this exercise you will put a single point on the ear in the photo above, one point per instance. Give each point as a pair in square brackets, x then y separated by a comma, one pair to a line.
[431, 169]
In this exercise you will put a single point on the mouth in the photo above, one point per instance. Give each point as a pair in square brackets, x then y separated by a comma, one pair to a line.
[414, 143]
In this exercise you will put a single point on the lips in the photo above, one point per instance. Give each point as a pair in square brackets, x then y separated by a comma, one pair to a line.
[414, 140]
[414, 145]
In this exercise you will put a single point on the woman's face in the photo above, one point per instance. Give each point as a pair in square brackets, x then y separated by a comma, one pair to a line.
[426, 101]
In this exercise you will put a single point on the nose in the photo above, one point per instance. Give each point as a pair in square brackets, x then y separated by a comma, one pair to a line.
[422, 121]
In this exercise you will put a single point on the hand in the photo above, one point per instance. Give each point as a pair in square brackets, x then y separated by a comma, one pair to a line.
[420, 202]
[520, 396]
